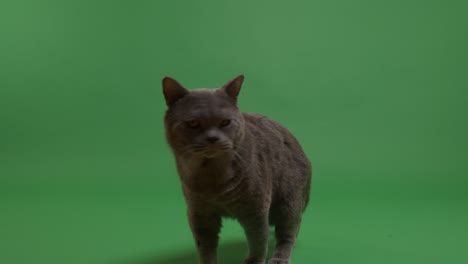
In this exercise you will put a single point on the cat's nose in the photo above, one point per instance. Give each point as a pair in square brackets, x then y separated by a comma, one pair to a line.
[212, 139]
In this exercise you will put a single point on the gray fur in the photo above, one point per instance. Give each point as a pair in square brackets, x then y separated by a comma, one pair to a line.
[252, 169]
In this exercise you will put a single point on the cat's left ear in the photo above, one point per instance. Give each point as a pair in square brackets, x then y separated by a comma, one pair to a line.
[233, 87]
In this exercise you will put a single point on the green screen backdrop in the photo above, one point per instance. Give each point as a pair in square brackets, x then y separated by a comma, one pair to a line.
[376, 92]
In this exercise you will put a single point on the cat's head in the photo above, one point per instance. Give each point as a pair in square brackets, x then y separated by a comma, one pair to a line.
[203, 123]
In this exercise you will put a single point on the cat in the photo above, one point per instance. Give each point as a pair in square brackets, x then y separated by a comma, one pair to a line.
[239, 165]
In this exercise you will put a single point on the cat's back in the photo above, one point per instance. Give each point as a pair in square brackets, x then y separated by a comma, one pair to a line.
[279, 156]
[257, 122]
[264, 128]
[273, 139]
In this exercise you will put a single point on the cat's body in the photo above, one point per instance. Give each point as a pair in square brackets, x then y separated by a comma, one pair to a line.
[240, 165]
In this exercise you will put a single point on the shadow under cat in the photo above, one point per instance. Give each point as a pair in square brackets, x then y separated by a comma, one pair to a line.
[230, 252]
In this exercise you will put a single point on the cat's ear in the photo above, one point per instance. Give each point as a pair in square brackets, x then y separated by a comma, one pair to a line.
[233, 87]
[173, 90]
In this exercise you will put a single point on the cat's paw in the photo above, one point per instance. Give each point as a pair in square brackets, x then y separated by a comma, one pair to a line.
[279, 261]
[247, 261]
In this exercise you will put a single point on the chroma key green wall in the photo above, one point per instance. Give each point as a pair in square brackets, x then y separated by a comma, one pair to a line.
[376, 91]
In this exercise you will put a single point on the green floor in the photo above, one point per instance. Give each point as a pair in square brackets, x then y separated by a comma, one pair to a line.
[376, 92]
[124, 221]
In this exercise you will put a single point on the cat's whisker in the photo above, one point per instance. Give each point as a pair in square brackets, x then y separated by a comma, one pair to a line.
[197, 148]
[239, 157]
[225, 148]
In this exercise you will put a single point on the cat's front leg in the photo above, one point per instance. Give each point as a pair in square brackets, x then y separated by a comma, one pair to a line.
[205, 228]
[256, 230]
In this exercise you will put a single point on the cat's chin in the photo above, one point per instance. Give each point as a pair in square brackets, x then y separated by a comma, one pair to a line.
[208, 152]
[215, 151]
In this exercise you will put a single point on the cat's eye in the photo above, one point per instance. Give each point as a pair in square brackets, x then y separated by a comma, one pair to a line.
[193, 124]
[225, 122]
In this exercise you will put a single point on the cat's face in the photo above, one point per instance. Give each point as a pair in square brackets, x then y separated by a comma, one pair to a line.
[202, 123]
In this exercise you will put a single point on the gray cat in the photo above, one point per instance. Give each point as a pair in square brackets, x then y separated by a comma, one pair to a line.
[233, 164]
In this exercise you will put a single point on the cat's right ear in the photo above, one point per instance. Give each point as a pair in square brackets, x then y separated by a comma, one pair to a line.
[173, 90]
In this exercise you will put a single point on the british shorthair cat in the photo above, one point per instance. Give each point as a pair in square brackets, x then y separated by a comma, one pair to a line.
[235, 164]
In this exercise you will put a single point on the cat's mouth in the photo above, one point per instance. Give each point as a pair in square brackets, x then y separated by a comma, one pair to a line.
[213, 150]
